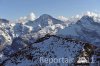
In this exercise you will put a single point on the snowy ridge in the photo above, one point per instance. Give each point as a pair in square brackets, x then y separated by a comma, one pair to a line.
[15, 36]
[83, 29]
[47, 47]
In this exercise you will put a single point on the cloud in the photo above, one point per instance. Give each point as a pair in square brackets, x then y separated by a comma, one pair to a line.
[62, 18]
[91, 13]
[31, 16]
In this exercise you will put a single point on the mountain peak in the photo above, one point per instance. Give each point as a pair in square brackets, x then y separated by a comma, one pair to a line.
[86, 17]
[45, 16]
[4, 21]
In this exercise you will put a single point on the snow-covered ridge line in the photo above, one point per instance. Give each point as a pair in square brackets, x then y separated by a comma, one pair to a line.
[47, 36]
[30, 32]
[72, 41]
[32, 17]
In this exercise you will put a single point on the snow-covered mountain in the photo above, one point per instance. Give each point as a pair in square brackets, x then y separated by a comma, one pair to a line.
[43, 21]
[5, 37]
[4, 21]
[85, 29]
[20, 35]
[47, 47]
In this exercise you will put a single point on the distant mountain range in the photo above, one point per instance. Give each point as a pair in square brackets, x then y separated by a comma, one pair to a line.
[46, 36]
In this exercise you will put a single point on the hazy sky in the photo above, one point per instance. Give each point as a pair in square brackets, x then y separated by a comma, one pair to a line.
[13, 9]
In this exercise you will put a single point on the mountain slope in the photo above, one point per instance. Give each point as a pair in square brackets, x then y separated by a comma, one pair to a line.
[85, 29]
[5, 35]
[14, 37]
[47, 47]
[43, 21]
